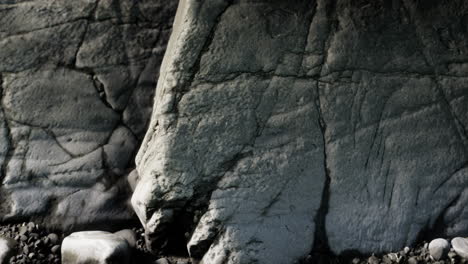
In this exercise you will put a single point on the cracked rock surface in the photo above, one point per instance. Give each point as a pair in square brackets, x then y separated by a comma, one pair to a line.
[77, 80]
[282, 128]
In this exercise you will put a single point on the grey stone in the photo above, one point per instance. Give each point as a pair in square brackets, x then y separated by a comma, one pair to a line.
[304, 124]
[53, 238]
[413, 260]
[77, 84]
[129, 235]
[373, 260]
[439, 248]
[162, 261]
[7, 249]
[95, 247]
[460, 246]
[55, 249]
[406, 250]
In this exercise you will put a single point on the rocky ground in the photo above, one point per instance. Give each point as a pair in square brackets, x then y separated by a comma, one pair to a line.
[36, 245]
[419, 254]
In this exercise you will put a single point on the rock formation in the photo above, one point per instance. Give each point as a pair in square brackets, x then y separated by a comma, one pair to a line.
[77, 81]
[285, 127]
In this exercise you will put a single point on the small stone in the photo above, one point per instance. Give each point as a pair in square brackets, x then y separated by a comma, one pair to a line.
[26, 250]
[394, 257]
[31, 255]
[412, 260]
[162, 261]
[460, 245]
[23, 230]
[406, 250]
[386, 259]
[426, 246]
[356, 261]
[129, 235]
[438, 248]
[53, 238]
[373, 260]
[55, 249]
[38, 243]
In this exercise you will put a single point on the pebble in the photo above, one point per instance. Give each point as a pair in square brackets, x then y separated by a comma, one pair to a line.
[53, 238]
[452, 254]
[55, 249]
[439, 248]
[413, 260]
[162, 261]
[129, 235]
[373, 260]
[26, 249]
[460, 245]
[406, 250]
[23, 230]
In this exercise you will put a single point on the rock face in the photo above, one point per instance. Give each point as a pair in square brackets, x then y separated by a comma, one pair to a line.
[284, 127]
[77, 80]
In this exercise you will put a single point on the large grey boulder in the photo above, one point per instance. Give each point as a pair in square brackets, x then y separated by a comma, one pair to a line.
[77, 80]
[284, 127]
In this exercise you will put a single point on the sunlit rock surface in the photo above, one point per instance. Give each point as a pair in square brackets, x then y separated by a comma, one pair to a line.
[283, 127]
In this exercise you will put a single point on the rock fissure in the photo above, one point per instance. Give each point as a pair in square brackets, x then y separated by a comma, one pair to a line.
[320, 240]
[320, 236]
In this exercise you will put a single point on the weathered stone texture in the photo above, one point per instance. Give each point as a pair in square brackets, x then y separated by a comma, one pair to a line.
[282, 127]
[77, 81]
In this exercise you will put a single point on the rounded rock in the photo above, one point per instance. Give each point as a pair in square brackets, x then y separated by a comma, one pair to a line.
[162, 261]
[129, 235]
[53, 238]
[460, 245]
[55, 249]
[373, 260]
[439, 248]
[412, 260]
